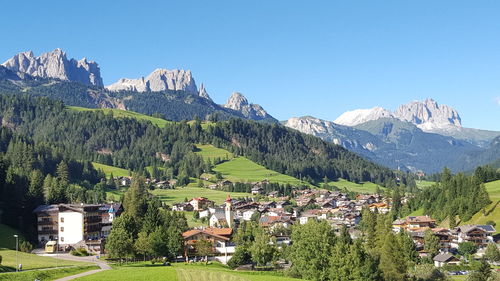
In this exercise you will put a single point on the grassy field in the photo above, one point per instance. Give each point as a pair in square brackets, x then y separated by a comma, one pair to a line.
[117, 113]
[423, 184]
[32, 261]
[241, 169]
[492, 210]
[418, 212]
[7, 239]
[366, 187]
[208, 151]
[49, 274]
[177, 195]
[182, 272]
[108, 170]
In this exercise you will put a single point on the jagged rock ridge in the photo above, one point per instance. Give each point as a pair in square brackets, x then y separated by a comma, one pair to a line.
[239, 102]
[55, 64]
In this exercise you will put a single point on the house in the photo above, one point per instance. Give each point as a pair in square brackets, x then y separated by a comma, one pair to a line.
[219, 237]
[273, 194]
[257, 190]
[273, 222]
[182, 207]
[283, 204]
[70, 224]
[414, 223]
[443, 259]
[481, 235]
[200, 203]
[247, 215]
[445, 237]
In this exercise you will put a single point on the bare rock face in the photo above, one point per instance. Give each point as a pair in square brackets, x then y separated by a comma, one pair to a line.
[203, 92]
[428, 115]
[56, 65]
[158, 80]
[360, 116]
[239, 102]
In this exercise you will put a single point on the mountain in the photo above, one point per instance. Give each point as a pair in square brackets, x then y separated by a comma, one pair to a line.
[238, 102]
[390, 142]
[55, 64]
[359, 116]
[427, 115]
[160, 80]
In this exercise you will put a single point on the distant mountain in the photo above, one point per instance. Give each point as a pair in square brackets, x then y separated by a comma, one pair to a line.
[160, 80]
[427, 115]
[238, 102]
[55, 64]
[390, 142]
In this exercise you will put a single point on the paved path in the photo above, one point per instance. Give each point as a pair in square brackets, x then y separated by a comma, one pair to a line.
[92, 259]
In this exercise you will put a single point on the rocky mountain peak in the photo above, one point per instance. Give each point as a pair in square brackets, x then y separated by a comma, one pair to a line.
[203, 92]
[359, 116]
[56, 65]
[159, 80]
[428, 114]
[239, 102]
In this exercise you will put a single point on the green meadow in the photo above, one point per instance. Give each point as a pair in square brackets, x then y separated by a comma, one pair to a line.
[492, 211]
[108, 170]
[32, 261]
[182, 272]
[365, 187]
[117, 113]
[171, 196]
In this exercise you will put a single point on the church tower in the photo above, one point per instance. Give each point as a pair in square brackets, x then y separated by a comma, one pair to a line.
[229, 212]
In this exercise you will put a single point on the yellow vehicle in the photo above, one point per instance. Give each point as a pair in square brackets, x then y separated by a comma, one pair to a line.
[51, 247]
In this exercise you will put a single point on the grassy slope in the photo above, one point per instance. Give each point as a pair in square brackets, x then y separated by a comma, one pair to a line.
[366, 187]
[117, 172]
[492, 210]
[7, 239]
[32, 261]
[423, 184]
[125, 114]
[177, 195]
[182, 272]
[208, 151]
[50, 274]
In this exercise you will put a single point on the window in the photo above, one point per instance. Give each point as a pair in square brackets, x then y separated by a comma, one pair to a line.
[62, 219]
[62, 228]
[62, 239]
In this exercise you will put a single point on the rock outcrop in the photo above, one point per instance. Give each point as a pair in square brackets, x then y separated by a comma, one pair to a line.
[239, 102]
[360, 116]
[428, 115]
[158, 80]
[55, 64]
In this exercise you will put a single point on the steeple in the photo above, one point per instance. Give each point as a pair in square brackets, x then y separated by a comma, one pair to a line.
[229, 212]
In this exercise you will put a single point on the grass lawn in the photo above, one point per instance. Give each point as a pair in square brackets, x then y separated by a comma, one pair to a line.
[177, 195]
[32, 261]
[418, 212]
[49, 274]
[108, 170]
[208, 151]
[492, 210]
[182, 272]
[241, 169]
[115, 194]
[7, 239]
[366, 187]
[117, 113]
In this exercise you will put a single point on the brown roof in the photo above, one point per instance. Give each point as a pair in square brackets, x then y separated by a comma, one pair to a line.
[420, 219]
[220, 233]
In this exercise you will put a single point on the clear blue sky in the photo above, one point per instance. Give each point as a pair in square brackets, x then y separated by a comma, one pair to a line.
[295, 58]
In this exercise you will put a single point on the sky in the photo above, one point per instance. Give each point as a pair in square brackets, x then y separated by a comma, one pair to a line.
[294, 58]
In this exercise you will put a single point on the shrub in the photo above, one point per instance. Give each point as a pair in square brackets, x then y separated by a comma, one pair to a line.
[25, 246]
[490, 222]
[0, 259]
[80, 252]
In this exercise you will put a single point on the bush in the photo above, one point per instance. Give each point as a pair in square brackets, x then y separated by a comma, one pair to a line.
[490, 222]
[80, 252]
[25, 246]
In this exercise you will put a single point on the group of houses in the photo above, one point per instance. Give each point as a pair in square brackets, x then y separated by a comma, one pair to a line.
[332, 206]
[449, 239]
[76, 225]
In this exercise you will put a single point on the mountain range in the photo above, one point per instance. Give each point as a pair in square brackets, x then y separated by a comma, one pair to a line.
[418, 136]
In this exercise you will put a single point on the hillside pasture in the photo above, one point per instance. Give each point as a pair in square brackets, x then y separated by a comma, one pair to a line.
[364, 187]
[108, 170]
[177, 195]
[492, 211]
[118, 113]
[32, 261]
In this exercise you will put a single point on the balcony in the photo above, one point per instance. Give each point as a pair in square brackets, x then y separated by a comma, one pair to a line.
[47, 231]
[47, 222]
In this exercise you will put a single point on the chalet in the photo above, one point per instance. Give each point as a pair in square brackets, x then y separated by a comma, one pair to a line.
[382, 208]
[257, 190]
[200, 203]
[224, 183]
[108, 213]
[283, 204]
[443, 259]
[182, 207]
[481, 235]
[273, 194]
[247, 215]
[445, 237]
[219, 237]
[413, 223]
[275, 221]
[367, 199]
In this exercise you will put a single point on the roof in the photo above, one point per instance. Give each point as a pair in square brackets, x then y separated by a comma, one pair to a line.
[469, 227]
[487, 228]
[46, 208]
[444, 257]
[220, 233]
[419, 219]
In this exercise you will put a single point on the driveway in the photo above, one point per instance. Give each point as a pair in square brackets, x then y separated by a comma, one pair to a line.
[65, 256]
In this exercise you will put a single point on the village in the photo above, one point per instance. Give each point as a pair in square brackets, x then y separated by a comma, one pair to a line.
[271, 212]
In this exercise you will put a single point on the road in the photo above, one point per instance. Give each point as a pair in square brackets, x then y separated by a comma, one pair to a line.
[91, 259]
